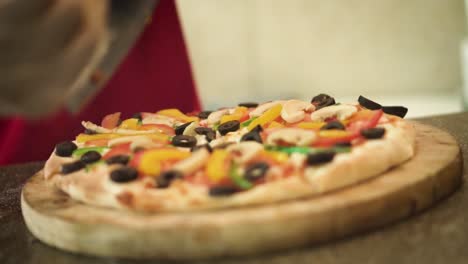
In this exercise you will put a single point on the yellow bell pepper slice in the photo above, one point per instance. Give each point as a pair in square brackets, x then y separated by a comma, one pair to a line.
[268, 116]
[239, 112]
[311, 125]
[150, 163]
[275, 124]
[216, 168]
[175, 113]
[279, 157]
[334, 133]
[84, 137]
[131, 123]
[155, 136]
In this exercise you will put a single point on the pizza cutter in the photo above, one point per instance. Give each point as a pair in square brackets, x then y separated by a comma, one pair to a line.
[127, 21]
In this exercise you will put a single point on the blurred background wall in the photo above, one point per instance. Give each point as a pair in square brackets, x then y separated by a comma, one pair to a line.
[397, 51]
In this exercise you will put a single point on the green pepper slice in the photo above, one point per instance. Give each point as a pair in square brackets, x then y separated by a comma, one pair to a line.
[238, 179]
[81, 151]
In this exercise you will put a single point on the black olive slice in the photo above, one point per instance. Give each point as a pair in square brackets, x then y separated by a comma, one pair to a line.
[184, 141]
[165, 178]
[333, 125]
[118, 159]
[343, 144]
[322, 100]
[222, 190]
[369, 104]
[207, 146]
[248, 104]
[180, 129]
[395, 110]
[229, 126]
[253, 135]
[65, 149]
[137, 116]
[72, 167]
[256, 171]
[90, 157]
[124, 174]
[204, 114]
[373, 133]
[320, 157]
[88, 131]
[209, 133]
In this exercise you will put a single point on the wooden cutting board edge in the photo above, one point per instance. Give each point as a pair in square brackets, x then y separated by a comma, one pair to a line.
[434, 173]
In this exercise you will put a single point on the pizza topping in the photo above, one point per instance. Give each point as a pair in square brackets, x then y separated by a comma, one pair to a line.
[111, 121]
[72, 167]
[150, 161]
[184, 141]
[322, 100]
[138, 116]
[395, 110]
[261, 109]
[253, 135]
[369, 104]
[244, 151]
[320, 157]
[209, 133]
[268, 116]
[239, 113]
[179, 130]
[124, 174]
[229, 126]
[90, 157]
[222, 190]
[177, 114]
[88, 131]
[194, 162]
[131, 123]
[204, 114]
[165, 178]
[239, 179]
[118, 159]
[341, 112]
[215, 117]
[217, 164]
[333, 125]
[207, 146]
[291, 136]
[248, 104]
[65, 149]
[256, 171]
[373, 133]
[294, 110]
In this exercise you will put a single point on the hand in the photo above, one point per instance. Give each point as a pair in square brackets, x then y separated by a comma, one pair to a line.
[46, 46]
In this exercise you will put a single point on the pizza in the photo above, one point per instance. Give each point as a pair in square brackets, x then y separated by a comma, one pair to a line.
[248, 155]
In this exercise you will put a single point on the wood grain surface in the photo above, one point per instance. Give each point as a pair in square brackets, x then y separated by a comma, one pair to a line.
[432, 174]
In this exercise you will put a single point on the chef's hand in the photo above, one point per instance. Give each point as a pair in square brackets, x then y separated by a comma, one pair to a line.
[46, 47]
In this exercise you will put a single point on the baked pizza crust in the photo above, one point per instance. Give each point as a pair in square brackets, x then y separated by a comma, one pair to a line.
[367, 160]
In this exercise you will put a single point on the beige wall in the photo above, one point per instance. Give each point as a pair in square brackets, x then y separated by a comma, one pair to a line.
[265, 49]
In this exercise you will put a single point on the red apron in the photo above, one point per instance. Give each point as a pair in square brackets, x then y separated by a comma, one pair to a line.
[155, 75]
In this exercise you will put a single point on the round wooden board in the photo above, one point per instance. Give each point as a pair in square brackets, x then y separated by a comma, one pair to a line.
[432, 174]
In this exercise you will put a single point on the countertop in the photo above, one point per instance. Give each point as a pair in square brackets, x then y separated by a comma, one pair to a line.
[437, 235]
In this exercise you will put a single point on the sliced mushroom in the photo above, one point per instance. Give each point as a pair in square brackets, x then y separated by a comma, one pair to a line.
[94, 127]
[194, 162]
[341, 112]
[263, 107]
[294, 110]
[190, 129]
[292, 136]
[135, 142]
[244, 151]
[214, 117]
